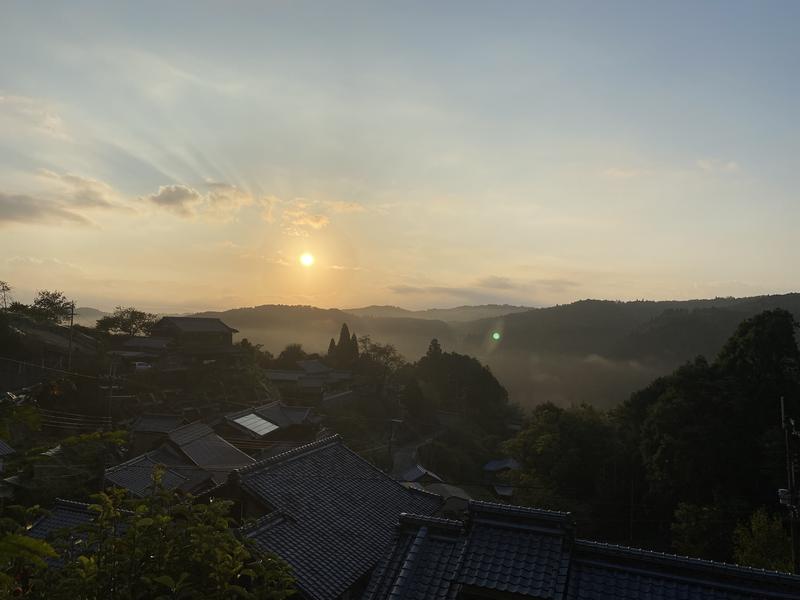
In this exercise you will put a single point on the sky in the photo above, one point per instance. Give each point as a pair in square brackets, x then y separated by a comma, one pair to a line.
[181, 156]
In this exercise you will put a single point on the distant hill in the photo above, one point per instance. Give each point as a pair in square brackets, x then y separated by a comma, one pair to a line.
[450, 315]
[594, 351]
[88, 316]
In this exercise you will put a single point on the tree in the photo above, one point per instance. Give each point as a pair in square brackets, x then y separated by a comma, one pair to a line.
[762, 542]
[434, 349]
[701, 531]
[127, 320]
[332, 350]
[290, 356]
[5, 290]
[261, 358]
[53, 307]
[354, 347]
[567, 459]
[20, 554]
[162, 546]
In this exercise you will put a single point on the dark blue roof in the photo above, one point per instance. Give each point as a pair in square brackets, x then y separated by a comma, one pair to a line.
[5, 449]
[600, 571]
[63, 515]
[514, 552]
[332, 514]
[136, 475]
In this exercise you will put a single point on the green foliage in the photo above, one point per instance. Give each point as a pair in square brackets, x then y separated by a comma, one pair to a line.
[700, 531]
[5, 294]
[164, 546]
[290, 356]
[568, 461]
[377, 363]
[762, 542]
[260, 357]
[344, 353]
[682, 458]
[19, 554]
[52, 306]
[72, 469]
[127, 320]
[461, 384]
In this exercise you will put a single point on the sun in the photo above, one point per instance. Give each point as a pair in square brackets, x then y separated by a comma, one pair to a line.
[306, 259]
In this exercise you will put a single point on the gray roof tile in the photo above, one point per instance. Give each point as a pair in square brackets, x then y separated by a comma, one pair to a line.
[529, 553]
[5, 448]
[332, 513]
[63, 515]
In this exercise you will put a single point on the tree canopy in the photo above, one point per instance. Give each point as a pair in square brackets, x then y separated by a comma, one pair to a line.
[127, 320]
[163, 546]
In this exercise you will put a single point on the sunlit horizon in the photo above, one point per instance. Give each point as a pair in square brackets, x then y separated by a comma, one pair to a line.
[527, 154]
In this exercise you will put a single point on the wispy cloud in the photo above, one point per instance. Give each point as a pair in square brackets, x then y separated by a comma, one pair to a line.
[219, 201]
[299, 216]
[82, 191]
[33, 113]
[22, 208]
[716, 165]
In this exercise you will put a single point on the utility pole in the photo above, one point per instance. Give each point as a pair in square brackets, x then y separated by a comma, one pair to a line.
[71, 323]
[789, 496]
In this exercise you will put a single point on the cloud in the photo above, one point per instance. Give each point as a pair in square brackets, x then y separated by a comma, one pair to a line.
[622, 173]
[268, 206]
[179, 199]
[340, 206]
[497, 283]
[224, 200]
[22, 208]
[299, 215]
[715, 165]
[33, 113]
[82, 191]
[218, 201]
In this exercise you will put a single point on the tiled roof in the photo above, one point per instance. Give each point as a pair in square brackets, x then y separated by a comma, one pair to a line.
[64, 514]
[157, 423]
[332, 513]
[601, 571]
[501, 464]
[5, 449]
[276, 413]
[207, 450]
[196, 324]
[524, 552]
[418, 472]
[314, 366]
[136, 475]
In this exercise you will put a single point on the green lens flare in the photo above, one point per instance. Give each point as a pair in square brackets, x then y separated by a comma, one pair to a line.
[496, 336]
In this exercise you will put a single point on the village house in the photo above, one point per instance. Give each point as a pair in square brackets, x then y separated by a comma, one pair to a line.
[509, 552]
[194, 459]
[311, 382]
[324, 510]
[268, 429]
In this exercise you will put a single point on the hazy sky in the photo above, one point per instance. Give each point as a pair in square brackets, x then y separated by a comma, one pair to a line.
[182, 155]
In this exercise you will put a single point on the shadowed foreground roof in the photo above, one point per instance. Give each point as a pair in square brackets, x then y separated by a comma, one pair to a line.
[332, 513]
[512, 552]
[64, 514]
[196, 324]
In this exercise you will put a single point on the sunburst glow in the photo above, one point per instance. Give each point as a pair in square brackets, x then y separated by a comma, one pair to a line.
[306, 259]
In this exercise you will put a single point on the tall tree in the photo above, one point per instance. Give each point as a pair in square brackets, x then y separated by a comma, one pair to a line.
[5, 290]
[53, 306]
[127, 320]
